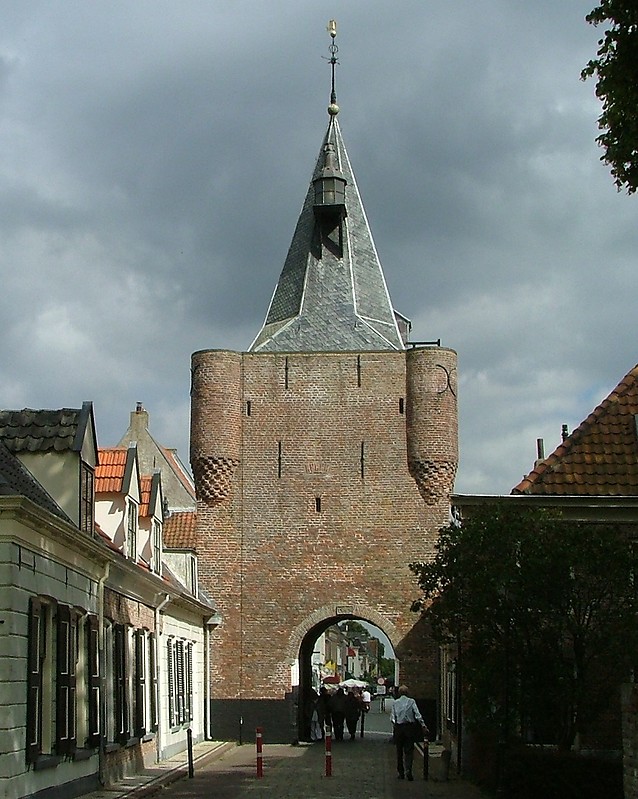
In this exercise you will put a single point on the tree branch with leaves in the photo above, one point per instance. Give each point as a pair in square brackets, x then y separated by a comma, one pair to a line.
[544, 611]
[616, 70]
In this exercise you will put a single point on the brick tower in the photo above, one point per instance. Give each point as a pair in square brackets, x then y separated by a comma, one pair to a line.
[324, 459]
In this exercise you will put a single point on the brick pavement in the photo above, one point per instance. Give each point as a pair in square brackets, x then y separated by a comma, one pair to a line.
[362, 769]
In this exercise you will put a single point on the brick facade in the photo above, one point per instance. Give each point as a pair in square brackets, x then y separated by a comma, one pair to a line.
[320, 477]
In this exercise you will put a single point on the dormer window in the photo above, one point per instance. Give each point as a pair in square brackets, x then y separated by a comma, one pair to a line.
[330, 188]
[131, 537]
[157, 547]
[87, 498]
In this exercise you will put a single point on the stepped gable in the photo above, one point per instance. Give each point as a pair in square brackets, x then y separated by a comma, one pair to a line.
[332, 294]
[600, 457]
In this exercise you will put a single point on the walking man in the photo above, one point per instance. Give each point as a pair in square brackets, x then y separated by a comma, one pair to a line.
[405, 718]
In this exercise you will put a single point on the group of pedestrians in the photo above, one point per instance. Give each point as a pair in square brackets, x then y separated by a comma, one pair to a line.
[340, 711]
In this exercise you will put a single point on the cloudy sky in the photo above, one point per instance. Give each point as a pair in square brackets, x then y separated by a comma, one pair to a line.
[155, 156]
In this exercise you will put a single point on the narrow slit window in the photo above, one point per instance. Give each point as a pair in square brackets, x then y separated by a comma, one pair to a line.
[359, 371]
[249, 407]
[286, 369]
[363, 459]
[279, 451]
[318, 504]
[401, 405]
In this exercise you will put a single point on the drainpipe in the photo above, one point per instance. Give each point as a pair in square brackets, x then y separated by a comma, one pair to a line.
[158, 658]
[102, 667]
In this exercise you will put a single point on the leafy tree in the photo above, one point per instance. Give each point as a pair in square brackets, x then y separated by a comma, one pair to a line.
[616, 68]
[543, 612]
[386, 667]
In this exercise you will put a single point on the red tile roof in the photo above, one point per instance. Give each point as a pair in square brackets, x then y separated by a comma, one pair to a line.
[109, 472]
[600, 458]
[145, 489]
[179, 530]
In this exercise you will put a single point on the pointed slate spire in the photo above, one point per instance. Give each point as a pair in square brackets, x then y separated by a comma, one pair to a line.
[331, 294]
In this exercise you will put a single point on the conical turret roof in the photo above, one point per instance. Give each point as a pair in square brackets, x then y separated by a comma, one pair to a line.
[331, 294]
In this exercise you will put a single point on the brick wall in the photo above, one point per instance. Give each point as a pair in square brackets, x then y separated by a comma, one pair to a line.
[307, 507]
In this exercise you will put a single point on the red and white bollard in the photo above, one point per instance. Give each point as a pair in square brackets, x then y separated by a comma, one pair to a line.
[328, 752]
[260, 754]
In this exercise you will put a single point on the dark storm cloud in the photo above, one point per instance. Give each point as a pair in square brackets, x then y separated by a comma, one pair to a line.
[157, 155]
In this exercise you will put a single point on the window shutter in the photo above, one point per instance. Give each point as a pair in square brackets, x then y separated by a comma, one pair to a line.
[93, 660]
[65, 741]
[171, 683]
[73, 662]
[120, 679]
[152, 667]
[189, 681]
[140, 684]
[33, 681]
[181, 709]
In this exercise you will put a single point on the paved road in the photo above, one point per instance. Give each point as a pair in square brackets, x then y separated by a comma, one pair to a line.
[361, 769]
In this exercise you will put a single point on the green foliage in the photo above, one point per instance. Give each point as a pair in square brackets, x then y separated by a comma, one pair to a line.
[353, 629]
[542, 610]
[386, 668]
[616, 68]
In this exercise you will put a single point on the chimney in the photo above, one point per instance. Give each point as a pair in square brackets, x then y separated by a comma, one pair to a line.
[139, 420]
[540, 452]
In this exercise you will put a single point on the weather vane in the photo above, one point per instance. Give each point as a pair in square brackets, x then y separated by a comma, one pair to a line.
[333, 108]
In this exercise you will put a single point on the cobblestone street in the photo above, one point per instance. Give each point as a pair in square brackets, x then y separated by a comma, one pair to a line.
[363, 768]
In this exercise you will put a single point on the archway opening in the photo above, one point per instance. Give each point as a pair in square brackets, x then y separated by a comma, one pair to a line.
[338, 649]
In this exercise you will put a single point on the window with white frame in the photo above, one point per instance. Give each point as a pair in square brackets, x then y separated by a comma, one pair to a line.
[152, 682]
[180, 681]
[131, 531]
[87, 497]
[141, 684]
[62, 680]
[121, 662]
[157, 547]
[193, 575]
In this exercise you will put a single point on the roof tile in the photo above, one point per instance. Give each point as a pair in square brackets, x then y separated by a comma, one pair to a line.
[600, 457]
[30, 430]
[179, 530]
[109, 473]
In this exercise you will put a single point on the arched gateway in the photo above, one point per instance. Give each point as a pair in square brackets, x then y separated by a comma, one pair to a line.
[324, 458]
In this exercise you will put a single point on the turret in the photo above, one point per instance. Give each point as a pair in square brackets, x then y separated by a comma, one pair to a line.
[432, 420]
[215, 422]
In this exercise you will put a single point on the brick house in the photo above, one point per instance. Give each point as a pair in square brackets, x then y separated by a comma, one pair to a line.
[324, 458]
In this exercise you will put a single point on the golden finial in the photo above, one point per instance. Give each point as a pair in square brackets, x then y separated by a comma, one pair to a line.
[333, 108]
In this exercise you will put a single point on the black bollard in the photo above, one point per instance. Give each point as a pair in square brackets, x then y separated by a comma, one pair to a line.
[189, 739]
[426, 759]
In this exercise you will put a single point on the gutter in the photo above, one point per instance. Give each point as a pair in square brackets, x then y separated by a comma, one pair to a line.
[158, 659]
[102, 666]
